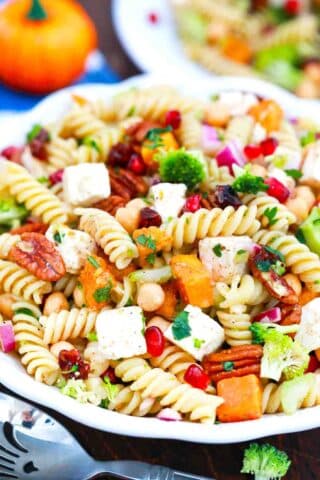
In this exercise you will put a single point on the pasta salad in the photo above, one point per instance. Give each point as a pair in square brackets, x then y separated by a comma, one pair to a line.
[272, 39]
[159, 255]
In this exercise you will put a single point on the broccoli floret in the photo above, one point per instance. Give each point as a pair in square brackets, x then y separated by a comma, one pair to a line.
[299, 361]
[248, 183]
[261, 330]
[11, 214]
[265, 462]
[180, 166]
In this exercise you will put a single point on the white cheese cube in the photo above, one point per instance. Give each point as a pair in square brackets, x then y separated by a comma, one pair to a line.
[309, 329]
[120, 332]
[225, 257]
[205, 334]
[168, 199]
[86, 183]
[311, 164]
[74, 246]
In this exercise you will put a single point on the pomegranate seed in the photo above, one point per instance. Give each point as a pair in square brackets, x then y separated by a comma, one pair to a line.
[277, 189]
[110, 374]
[197, 377]
[292, 7]
[155, 341]
[173, 119]
[12, 153]
[56, 177]
[149, 218]
[83, 370]
[252, 151]
[193, 203]
[153, 17]
[313, 364]
[225, 195]
[137, 165]
[120, 154]
[38, 144]
[268, 146]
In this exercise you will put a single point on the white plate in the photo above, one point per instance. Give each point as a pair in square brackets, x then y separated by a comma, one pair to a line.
[12, 373]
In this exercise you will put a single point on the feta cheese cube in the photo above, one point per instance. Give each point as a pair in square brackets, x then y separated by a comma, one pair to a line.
[86, 183]
[74, 246]
[311, 164]
[168, 199]
[225, 257]
[120, 332]
[309, 329]
[205, 334]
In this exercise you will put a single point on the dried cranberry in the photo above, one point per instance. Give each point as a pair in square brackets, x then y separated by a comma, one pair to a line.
[225, 195]
[197, 377]
[38, 144]
[83, 371]
[268, 146]
[12, 153]
[120, 155]
[137, 165]
[149, 218]
[193, 203]
[56, 177]
[292, 7]
[110, 373]
[153, 17]
[313, 364]
[173, 119]
[277, 189]
[155, 341]
[252, 151]
[68, 358]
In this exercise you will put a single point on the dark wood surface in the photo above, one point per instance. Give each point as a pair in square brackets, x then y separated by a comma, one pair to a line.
[222, 462]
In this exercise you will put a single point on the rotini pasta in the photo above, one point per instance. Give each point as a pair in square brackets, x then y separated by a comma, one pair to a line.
[7, 241]
[236, 323]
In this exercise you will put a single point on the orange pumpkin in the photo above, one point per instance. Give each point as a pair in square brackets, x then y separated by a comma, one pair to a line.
[44, 43]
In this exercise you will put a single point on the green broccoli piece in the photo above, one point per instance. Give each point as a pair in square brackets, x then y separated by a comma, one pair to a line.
[180, 166]
[248, 183]
[11, 214]
[260, 331]
[265, 462]
[294, 392]
[310, 230]
[299, 361]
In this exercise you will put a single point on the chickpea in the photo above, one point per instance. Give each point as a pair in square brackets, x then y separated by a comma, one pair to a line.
[218, 116]
[79, 297]
[258, 170]
[129, 218]
[55, 303]
[136, 204]
[301, 202]
[313, 72]
[159, 322]
[98, 362]
[307, 89]
[294, 282]
[150, 297]
[58, 347]
[6, 303]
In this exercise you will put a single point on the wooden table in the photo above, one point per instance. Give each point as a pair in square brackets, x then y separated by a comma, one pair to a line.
[222, 462]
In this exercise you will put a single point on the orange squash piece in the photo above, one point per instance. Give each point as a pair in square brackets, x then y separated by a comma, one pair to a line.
[193, 280]
[97, 282]
[306, 296]
[268, 113]
[166, 142]
[168, 308]
[149, 241]
[237, 49]
[242, 399]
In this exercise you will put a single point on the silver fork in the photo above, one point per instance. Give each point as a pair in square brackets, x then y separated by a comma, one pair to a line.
[34, 446]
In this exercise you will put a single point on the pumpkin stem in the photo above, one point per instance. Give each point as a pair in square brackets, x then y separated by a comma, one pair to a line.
[37, 12]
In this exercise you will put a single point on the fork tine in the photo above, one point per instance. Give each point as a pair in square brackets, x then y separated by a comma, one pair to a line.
[9, 469]
[8, 460]
[7, 475]
[6, 450]
[9, 433]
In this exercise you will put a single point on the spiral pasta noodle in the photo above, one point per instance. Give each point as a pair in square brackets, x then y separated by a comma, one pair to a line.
[240, 129]
[124, 293]
[236, 323]
[190, 131]
[216, 175]
[36, 198]
[80, 122]
[173, 360]
[128, 402]
[109, 234]
[288, 139]
[19, 282]
[224, 12]
[35, 356]
[66, 284]
[304, 263]
[65, 325]
[60, 152]
[211, 223]
[245, 290]
[7, 241]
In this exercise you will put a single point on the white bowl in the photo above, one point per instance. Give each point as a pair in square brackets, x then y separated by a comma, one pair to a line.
[12, 374]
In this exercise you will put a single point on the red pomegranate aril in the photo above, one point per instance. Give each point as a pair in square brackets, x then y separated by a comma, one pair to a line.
[120, 155]
[268, 146]
[313, 364]
[38, 145]
[197, 377]
[193, 203]
[155, 341]
[69, 358]
[173, 119]
[153, 17]
[252, 151]
[277, 189]
[110, 373]
[149, 218]
[137, 165]
[292, 7]
[56, 177]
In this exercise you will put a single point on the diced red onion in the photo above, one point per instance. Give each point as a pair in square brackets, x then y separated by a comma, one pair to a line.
[210, 139]
[231, 154]
[7, 339]
[169, 415]
[273, 315]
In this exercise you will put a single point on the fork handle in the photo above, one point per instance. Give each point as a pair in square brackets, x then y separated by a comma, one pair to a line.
[133, 470]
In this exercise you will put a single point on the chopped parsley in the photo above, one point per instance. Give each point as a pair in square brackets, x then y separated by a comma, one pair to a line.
[92, 336]
[151, 258]
[111, 389]
[91, 142]
[309, 137]
[264, 265]
[279, 268]
[103, 294]
[197, 343]
[275, 252]
[131, 111]
[43, 180]
[34, 132]
[93, 261]
[57, 237]
[154, 137]
[248, 183]
[146, 241]
[271, 214]
[180, 327]
[25, 311]
[294, 173]
[217, 250]
[228, 366]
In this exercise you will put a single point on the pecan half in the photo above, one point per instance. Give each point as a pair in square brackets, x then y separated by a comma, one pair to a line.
[39, 256]
[111, 204]
[126, 184]
[30, 228]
